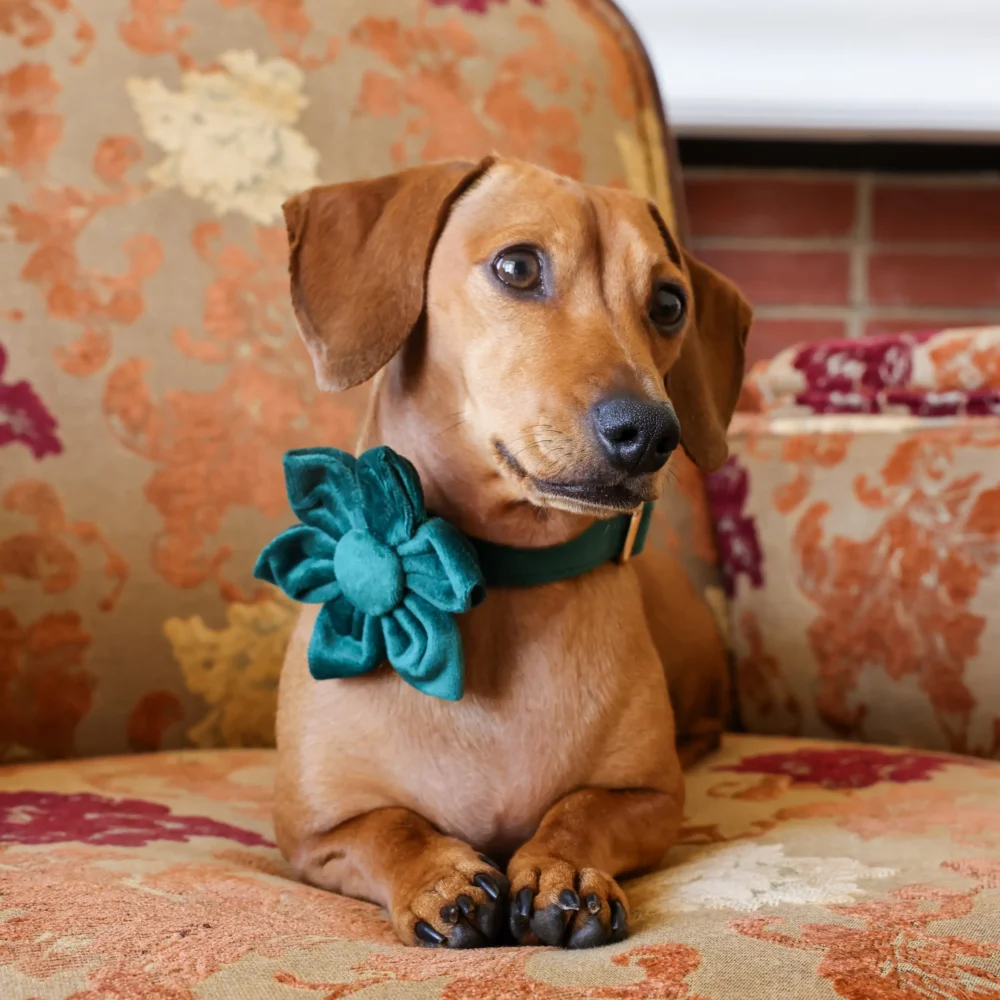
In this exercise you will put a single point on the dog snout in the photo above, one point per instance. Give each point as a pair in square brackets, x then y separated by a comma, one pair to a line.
[636, 435]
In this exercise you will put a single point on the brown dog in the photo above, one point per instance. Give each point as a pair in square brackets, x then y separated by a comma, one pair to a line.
[526, 330]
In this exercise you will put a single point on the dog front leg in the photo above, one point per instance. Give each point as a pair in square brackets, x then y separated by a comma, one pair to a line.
[438, 890]
[562, 885]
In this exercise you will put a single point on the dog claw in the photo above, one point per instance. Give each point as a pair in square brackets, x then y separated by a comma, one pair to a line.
[487, 884]
[619, 923]
[520, 915]
[563, 915]
[474, 918]
[489, 861]
[568, 900]
[427, 934]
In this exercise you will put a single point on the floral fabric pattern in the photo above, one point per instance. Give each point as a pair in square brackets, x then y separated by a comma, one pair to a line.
[51, 818]
[24, 418]
[812, 870]
[228, 135]
[151, 374]
[947, 373]
[739, 544]
[878, 545]
[234, 669]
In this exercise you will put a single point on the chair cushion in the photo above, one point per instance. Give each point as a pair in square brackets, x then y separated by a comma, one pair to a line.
[859, 522]
[805, 870]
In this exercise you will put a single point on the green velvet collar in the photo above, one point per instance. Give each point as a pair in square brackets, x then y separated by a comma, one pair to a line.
[602, 542]
[390, 579]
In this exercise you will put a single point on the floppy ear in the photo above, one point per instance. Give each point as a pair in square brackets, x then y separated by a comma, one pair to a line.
[358, 260]
[704, 383]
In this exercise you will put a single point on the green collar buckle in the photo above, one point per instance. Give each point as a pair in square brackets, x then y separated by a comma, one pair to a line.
[391, 579]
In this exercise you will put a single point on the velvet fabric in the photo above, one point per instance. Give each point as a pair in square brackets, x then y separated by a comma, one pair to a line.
[389, 578]
[602, 542]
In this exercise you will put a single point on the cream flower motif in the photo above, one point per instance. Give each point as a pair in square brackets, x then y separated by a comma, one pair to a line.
[747, 877]
[228, 134]
[235, 669]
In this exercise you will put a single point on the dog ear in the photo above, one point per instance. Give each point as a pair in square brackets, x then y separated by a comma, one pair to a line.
[704, 383]
[358, 260]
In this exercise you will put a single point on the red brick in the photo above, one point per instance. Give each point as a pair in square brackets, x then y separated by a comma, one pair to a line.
[929, 214]
[765, 206]
[782, 277]
[953, 280]
[922, 322]
[769, 337]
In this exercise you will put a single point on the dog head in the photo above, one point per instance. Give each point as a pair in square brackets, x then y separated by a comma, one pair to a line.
[559, 324]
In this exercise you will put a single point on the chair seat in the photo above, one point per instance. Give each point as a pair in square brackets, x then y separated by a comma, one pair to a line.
[806, 870]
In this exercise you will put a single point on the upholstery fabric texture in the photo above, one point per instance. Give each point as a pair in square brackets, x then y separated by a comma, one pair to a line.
[151, 376]
[150, 381]
[806, 871]
[859, 524]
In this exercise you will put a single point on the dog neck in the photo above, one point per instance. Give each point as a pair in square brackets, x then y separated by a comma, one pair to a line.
[460, 483]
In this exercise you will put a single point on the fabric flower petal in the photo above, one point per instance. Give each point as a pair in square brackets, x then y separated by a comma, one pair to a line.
[441, 566]
[391, 493]
[345, 642]
[300, 562]
[323, 490]
[424, 647]
[389, 580]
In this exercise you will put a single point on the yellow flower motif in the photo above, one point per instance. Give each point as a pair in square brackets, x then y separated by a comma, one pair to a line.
[235, 669]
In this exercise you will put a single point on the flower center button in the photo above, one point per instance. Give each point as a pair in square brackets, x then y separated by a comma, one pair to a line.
[369, 572]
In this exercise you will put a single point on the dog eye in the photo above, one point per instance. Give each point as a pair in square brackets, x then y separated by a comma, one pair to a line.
[519, 268]
[668, 308]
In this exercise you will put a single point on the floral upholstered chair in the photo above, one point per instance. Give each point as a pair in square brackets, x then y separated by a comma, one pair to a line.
[150, 380]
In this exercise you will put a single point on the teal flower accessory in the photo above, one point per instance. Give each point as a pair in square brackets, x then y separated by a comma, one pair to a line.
[389, 578]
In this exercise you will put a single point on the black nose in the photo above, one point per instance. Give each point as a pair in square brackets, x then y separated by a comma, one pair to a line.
[637, 436]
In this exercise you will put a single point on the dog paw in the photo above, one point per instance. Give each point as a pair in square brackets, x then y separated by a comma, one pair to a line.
[553, 903]
[461, 903]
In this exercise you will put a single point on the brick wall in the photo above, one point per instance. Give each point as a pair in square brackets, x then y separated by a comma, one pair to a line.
[828, 254]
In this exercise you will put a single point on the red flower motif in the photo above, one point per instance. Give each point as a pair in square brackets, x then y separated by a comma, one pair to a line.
[857, 365]
[847, 767]
[736, 532]
[476, 6]
[53, 818]
[24, 417]
[918, 402]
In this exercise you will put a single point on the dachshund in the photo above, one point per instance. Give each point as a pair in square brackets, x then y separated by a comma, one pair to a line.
[540, 349]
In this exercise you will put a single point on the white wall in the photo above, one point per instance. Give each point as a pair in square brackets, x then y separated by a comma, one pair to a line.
[847, 67]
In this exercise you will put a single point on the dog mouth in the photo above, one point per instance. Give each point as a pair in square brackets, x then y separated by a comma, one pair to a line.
[594, 496]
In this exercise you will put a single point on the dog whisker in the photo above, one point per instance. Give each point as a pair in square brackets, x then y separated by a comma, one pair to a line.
[450, 428]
